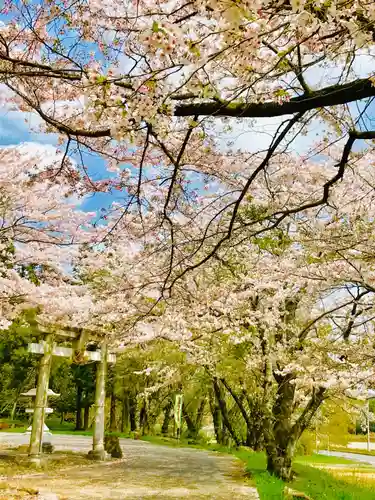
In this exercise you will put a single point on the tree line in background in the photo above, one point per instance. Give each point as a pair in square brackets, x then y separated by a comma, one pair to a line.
[141, 391]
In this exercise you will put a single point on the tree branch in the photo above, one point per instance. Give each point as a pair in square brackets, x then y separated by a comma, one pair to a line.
[238, 401]
[326, 97]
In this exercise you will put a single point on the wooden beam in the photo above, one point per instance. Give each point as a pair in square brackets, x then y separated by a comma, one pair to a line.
[68, 352]
[71, 331]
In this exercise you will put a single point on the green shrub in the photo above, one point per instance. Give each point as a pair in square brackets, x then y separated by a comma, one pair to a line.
[112, 446]
[306, 444]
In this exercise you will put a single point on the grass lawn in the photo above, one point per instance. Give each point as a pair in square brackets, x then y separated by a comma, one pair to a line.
[342, 483]
[56, 427]
[360, 437]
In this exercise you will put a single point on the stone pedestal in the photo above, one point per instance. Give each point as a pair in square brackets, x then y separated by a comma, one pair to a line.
[46, 435]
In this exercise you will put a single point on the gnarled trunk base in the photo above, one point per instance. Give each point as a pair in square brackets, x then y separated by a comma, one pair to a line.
[279, 462]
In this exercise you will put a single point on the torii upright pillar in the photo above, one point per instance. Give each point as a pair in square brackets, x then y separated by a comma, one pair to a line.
[98, 452]
[41, 401]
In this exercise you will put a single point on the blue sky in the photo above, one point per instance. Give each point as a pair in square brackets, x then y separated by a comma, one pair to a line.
[14, 130]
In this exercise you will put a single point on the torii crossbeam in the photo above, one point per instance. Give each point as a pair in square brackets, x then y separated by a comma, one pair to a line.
[49, 348]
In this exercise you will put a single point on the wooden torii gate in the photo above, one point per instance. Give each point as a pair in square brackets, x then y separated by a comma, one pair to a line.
[48, 347]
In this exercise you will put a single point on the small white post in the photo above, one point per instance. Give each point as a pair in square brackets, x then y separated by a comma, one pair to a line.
[178, 414]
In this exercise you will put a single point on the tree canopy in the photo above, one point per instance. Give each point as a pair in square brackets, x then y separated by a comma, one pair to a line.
[238, 144]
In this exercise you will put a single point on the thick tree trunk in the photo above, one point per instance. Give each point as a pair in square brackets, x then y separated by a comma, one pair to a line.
[167, 417]
[86, 417]
[194, 425]
[112, 414]
[282, 436]
[217, 420]
[192, 431]
[132, 413]
[125, 414]
[254, 434]
[253, 431]
[279, 460]
[79, 408]
[224, 411]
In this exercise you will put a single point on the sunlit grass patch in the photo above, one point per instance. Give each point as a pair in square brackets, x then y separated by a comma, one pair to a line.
[357, 476]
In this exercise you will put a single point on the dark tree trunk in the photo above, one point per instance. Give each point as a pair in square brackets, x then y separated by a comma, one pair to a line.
[200, 414]
[132, 413]
[279, 461]
[125, 414]
[79, 408]
[86, 417]
[280, 441]
[239, 400]
[282, 436]
[224, 411]
[216, 418]
[143, 418]
[192, 431]
[112, 414]
[254, 433]
[167, 417]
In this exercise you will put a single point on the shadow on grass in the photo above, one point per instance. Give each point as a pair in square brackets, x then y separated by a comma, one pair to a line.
[316, 483]
[269, 487]
[320, 484]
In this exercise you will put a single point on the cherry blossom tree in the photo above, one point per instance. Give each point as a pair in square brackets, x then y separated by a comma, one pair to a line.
[42, 230]
[293, 310]
[155, 87]
[260, 323]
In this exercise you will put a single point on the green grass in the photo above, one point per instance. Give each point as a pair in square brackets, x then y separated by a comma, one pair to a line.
[269, 487]
[322, 459]
[322, 485]
[11, 422]
[55, 425]
[352, 438]
[314, 482]
[183, 443]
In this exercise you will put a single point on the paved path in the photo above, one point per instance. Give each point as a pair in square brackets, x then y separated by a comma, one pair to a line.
[61, 442]
[361, 445]
[367, 459]
[146, 472]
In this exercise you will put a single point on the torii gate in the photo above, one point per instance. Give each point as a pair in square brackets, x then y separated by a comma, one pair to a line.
[48, 348]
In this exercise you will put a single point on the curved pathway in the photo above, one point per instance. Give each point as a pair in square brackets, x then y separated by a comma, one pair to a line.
[356, 457]
[146, 472]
